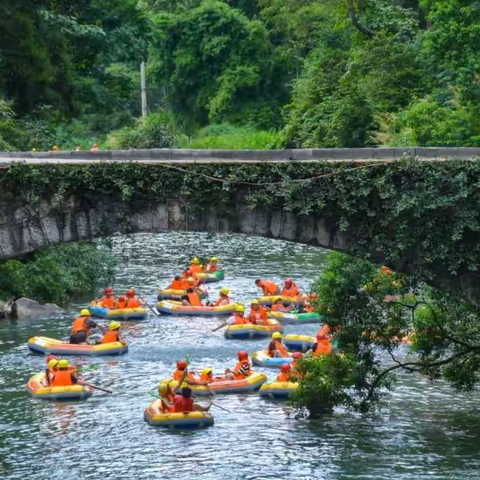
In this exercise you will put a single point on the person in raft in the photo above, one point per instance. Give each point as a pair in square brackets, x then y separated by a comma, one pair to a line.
[179, 373]
[278, 306]
[64, 376]
[82, 326]
[275, 347]
[258, 313]
[173, 403]
[113, 334]
[108, 301]
[212, 265]
[195, 266]
[322, 345]
[290, 289]
[192, 298]
[268, 288]
[285, 373]
[122, 302]
[132, 301]
[223, 299]
[242, 370]
[52, 362]
[293, 370]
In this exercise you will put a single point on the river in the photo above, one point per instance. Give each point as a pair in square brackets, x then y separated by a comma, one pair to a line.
[426, 431]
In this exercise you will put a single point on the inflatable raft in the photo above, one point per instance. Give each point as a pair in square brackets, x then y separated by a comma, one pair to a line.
[36, 386]
[278, 390]
[261, 359]
[176, 308]
[210, 277]
[250, 331]
[295, 318]
[119, 314]
[249, 384]
[57, 347]
[187, 420]
[171, 294]
[299, 343]
[268, 301]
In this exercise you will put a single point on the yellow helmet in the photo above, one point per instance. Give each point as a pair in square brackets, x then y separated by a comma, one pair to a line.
[239, 308]
[206, 371]
[195, 261]
[63, 363]
[52, 363]
[84, 313]
[214, 259]
[225, 291]
[254, 302]
[277, 335]
[114, 326]
[163, 388]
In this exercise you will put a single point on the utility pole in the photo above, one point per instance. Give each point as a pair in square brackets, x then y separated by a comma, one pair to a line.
[143, 84]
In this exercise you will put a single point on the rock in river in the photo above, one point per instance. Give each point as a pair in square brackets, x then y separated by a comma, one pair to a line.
[26, 308]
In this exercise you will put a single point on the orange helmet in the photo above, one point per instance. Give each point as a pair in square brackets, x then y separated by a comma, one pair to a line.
[109, 291]
[130, 292]
[297, 355]
[181, 364]
[313, 296]
[188, 272]
[242, 355]
[288, 281]
[51, 357]
[285, 367]
[122, 298]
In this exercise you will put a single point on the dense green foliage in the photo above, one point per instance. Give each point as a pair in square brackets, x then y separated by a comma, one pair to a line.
[58, 274]
[372, 313]
[322, 73]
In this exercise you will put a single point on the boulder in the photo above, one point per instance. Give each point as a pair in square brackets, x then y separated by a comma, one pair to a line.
[26, 308]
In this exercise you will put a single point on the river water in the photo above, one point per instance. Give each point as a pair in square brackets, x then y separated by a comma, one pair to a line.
[426, 431]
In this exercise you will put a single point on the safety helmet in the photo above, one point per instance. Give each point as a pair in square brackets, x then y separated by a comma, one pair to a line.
[214, 259]
[52, 363]
[254, 302]
[288, 281]
[224, 291]
[285, 367]
[195, 261]
[242, 355]
[240, 308]
[122, 298]
[206, 371]
[51, 357]
[188, 272]
[163, 389]
[114, 326]
[190, 280]
[63, 363]
[277, 335]
[109, 291]
[84, 313]
[297, 355]
[313, 296]
[130, 292]
[181, 364]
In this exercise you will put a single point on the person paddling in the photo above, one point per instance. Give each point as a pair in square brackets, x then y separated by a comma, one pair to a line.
[113, 335]
[223, 298]
[268, 288]
[242, 370]
[275, 347]
[64, 376]
[258, 313]
[82, 326]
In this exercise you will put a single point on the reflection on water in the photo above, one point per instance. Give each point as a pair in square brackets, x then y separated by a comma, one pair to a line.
[427, 431]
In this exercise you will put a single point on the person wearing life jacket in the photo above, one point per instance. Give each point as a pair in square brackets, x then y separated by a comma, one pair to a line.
[322, 345]
[180, 371]
[122, 302]
[293, 371]
[192, 298]
[223, 298]
[64, 376]
[186, 274]
[177, 284]
[285, 373]
[132, 301]
[238, 317]
[207, 376]
[195, 266]
[290, 289]
[242, 370]
[275, 347]
[50, 370]
[325, 331]
[82, 326]
[109, 300]
[167, 396]
[258, 313]
[184, 402]
[307, 306]
[212, 265]
[113, 334]
[278, 306]
[268, 288]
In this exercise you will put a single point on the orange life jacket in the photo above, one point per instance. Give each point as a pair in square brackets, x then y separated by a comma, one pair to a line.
[278, 307]
[239, 320]
[178, 374]
[269, 288]
[182, 404]
[259, 316]
[122, 304]
[195, 268]
[242, 370]
[79, 325]
[222, 301]
[132, 302]
[324, 330]
[177, 285]
[322, 347]
[194, 299]
[108, 302]
[206, 378]
[111, 336]
[283, 377]
[308, 308]
[293, 291]
[278, 346]
[62, 378]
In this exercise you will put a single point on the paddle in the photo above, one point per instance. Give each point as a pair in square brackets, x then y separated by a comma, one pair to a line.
[149, 306]
[95, 387]
[224, 324]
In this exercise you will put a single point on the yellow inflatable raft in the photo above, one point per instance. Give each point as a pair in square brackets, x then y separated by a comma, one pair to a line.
[186, 420]
[37, 387]
[171, 294]
[250, 331]
[299, 343]
[269, 300]
[281, 390]
[176, 308]
[119, 314]
[262, 359]
[251, 383]
[57, 347]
